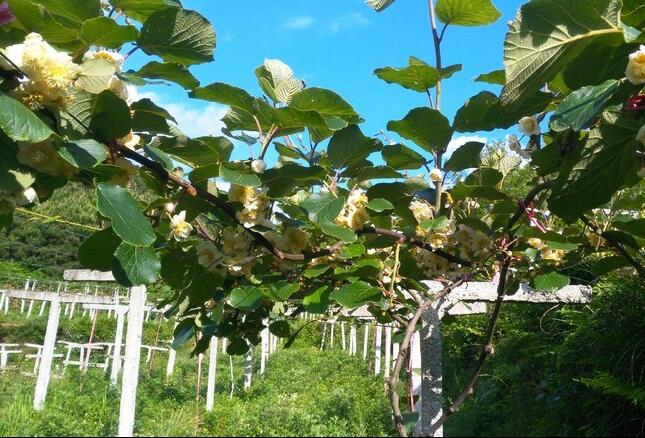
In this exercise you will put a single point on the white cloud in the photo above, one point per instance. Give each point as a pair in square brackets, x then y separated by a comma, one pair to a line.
[193, 120]
[348, 21]
[298, 23]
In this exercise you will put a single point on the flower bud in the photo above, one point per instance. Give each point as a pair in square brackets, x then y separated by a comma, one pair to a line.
[436, 175]
[258, 166]
[30, 195]
[170, 207]
[636, 67]
[529, 126]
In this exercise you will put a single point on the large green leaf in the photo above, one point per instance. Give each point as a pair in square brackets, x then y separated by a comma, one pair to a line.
[338, 232]
[128, 221]
[36, 18]
[246, 298]
[142, 9]
[235, 176]
[284, 180]
[318, 301]
[467, 12]
[551, 281]
[349, 145]
[169, 71]
[280, 290]
[71, 13]
[105, 32]
[178, 35]
[426, 127]
[465, 157]
[323, 207]
[581, 107]
[402, 157]
[548, 34]
[356, 295]
[95, 75]
[20, 123]
[417, 76]
[325, 102]
[592, 174]
[97, 252]
[83, 154]
[198, 152]
[137, 265]
[110, 117]
[485, 112]
[226, 95]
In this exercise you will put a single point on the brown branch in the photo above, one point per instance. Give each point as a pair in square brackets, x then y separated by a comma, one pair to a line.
[393, 382]
[487, 350]
[615, 245]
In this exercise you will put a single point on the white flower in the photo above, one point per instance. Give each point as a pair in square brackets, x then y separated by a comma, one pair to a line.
[421, 210]
[641, 135]
[354, 214]
[118, 87]
[30, 195]
[209, 256]
[114, 58]
[636, 67]
[436, 176]
[179, 228]
[529, 126]
[258, 166]
[130, 141]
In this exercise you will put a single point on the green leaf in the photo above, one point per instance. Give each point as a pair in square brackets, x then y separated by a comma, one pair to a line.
[325, 102]
[318, 301]
[198, 152]
[138, 265]
[417, 76]
[283, 181]
[234, 176]
[280, 290]
[606, 265]
[465, 157]
[316, 271]
[323, 207]
[495, 77]
[379, 205]
[551, 281]
[169, 71]
[75, 120]
[83, 154]
[356, 295]
[402, 157]
[281, 329]
[339, 232]
[635, 227]
[128, 221]
[399, 195]
[142, 9]
[110, 117]
[105, 32]
[581, 107]
[590, 175]
[95, 75]
[434, 224]
[246, 298]
[349, 145]
[353, 251]
[183, 333]
[548, 34]
[97, 252]
[373, 172]
[467, 12]
[226, 95]
[426, 127]
[20, 123]
[178, 35]
[461, 191]
[485, 112]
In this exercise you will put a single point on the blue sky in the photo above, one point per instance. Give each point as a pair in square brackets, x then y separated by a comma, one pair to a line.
[336, 44]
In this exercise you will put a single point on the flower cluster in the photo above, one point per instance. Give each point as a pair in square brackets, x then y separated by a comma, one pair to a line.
[354, 214]
[433, 265]
[473, 244]
[437, 237]
[236, 255]
[50, 73]
[255, 204]
[293, 240]
[546, 253]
